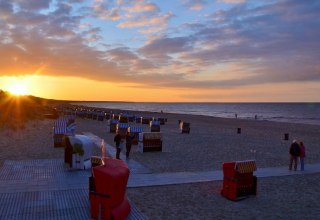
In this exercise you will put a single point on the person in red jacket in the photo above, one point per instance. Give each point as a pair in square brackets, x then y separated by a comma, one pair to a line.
[302, 155]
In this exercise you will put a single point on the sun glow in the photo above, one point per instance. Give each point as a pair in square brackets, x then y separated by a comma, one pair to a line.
[19, 86]
[18, 89]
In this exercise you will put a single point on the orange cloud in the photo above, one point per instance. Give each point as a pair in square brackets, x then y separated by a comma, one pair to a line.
[147, 7]
[196, 7]
[160, 20]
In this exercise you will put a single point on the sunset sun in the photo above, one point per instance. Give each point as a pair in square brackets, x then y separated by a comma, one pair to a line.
[18, 89]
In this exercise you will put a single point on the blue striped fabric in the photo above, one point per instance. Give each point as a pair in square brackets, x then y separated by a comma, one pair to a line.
[123, 125]
[155, 123]
[60, 130]
[136, 129]
[61, 125]
[114, 121]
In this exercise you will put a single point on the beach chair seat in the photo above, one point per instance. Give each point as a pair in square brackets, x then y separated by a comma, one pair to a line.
[113, 125]
[116, 116]
[155, 126]
[122, 128]
[162, 121]
[238, 179]
[107, 116]
[150, 141]
[108, 191]
[94, 115]
[146, 120]
[131, 118]
[59, 132]
[135, 130]
[138, 119]
[75, 159]
[100, 116]
[63, 126]
[123, 118]
[184, 127]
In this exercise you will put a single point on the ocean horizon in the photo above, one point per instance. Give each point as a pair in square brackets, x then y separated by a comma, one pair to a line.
[305, 113]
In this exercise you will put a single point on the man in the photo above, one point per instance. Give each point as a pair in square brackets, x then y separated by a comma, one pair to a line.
[294, 154]
[129, 138]
[117, 140]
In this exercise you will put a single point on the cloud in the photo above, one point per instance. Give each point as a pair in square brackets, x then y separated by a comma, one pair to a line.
[148, 24]
[121, 54]
[267, 43]
[141, 6]
[232, 1]
[145, 16]
[195, 5]
[91, 34]
[107, 10]
[32, 4]
[165, 46]
[6, 9]
[270, 37]
[50, 42]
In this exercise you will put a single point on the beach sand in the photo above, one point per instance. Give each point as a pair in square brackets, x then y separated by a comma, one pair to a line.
[211, 142]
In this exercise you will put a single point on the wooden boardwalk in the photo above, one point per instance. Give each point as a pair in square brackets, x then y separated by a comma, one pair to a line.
[46, 189]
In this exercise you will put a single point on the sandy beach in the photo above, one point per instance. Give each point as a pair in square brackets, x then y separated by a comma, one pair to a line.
[211, 142]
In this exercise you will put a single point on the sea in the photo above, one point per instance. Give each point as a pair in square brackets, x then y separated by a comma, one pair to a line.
[304, 113]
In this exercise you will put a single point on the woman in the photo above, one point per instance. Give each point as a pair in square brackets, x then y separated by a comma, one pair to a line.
[302, 155]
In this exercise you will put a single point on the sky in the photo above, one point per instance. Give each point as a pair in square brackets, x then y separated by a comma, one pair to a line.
[162, 51]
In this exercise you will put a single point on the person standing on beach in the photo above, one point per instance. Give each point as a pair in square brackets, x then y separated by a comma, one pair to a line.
[302, 155]
[294, 154]
[117, 140]
[129, 138]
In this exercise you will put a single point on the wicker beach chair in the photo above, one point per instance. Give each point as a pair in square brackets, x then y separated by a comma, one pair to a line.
[135, 130]
[113, 125]
[184, 127]
[122, 129]
[150, 141]
[146, 120]
[155, 126]
[63, 126]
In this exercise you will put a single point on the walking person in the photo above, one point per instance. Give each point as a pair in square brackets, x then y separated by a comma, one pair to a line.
[302, 155]
[117, 140]
[294, 154]
[129, 138]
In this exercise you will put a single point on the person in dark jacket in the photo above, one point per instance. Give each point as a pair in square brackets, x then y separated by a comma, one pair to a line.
[117, 140]
[129, 138]
[294, 154]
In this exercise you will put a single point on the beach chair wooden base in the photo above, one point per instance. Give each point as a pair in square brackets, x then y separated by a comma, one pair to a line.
[237, 190]
[59, 140]
[152, 149]
[185, 130]
[155, 128]
[151, 145]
